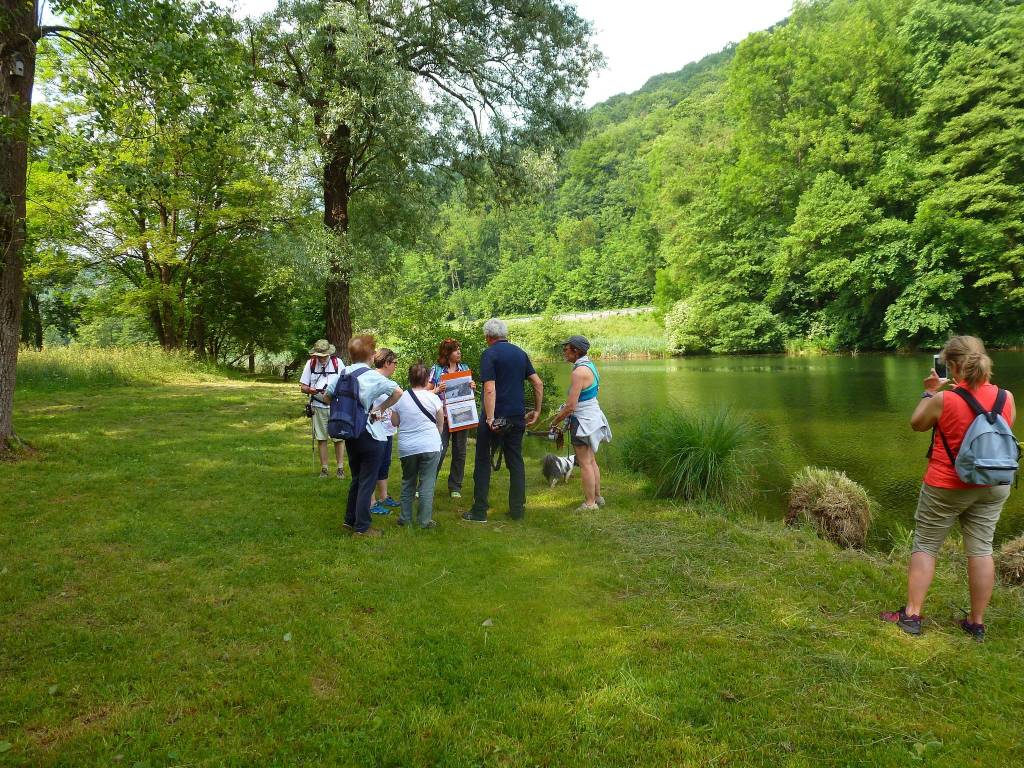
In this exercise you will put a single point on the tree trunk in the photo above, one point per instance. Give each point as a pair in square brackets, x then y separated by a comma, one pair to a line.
[252, 359]
[337, 190]
[197, 333]
[17, 38]
[31, 321]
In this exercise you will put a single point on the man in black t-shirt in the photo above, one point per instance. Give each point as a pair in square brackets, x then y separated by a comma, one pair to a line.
[503, 369]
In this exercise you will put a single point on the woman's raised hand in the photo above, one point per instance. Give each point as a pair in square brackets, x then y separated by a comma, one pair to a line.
[934, 383]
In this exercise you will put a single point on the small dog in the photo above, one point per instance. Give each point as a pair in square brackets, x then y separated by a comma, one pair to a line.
[555, 468]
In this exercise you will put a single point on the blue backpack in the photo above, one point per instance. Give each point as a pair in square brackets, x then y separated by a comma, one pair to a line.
[989, 453]
[347, 418]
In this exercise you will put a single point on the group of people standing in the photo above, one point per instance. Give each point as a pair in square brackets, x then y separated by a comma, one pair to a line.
[425, 438]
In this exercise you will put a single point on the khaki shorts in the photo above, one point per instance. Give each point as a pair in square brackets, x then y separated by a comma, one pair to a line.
[977, 509]
[320, 416]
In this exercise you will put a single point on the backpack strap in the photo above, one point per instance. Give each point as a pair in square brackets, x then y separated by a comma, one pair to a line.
[419, 405]
[355, 393]
[990, 416]
[945, 444]
[971, 401]
[997, 409]
[325, 371]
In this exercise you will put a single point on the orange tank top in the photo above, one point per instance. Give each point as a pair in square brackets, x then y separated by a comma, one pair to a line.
[955, 419]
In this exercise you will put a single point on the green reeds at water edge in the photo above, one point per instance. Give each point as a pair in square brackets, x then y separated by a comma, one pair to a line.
[697, 456]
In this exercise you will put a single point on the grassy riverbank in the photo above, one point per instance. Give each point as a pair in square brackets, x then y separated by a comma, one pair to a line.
[617, 336]
[176, 590]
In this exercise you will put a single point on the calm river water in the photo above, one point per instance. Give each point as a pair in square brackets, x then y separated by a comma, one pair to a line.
[848, 413]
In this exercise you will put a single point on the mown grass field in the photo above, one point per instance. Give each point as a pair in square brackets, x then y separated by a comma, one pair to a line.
[176, 590]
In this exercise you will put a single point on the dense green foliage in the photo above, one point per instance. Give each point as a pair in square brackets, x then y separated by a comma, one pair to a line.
[233, 188]
[852, 178]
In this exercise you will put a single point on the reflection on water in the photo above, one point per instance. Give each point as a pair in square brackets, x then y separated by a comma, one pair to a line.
[848, 413]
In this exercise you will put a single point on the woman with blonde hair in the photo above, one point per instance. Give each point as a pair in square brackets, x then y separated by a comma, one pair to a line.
[945, 497]
[384, 361]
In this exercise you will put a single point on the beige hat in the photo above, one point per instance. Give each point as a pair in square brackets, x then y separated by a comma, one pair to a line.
[323, 348]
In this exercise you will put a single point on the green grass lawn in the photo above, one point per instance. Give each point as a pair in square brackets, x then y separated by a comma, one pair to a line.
[176, 590]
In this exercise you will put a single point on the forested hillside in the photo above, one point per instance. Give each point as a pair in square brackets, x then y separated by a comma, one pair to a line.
[851, 179]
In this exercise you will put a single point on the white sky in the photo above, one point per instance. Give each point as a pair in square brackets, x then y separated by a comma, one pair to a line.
[643, 38]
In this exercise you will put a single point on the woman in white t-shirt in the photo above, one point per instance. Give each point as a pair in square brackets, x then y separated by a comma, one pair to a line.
[419, 416]
[384, 361]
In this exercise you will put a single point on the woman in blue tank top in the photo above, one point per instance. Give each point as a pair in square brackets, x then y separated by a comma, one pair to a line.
[588, 427]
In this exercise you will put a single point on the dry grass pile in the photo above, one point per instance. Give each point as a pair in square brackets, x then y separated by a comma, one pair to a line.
[1010, 561]
[837, 507]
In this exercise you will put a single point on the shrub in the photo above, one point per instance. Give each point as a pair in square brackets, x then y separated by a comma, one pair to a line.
[706, 456]
[837, 507]
[1010, 561]
[542, 337]
[721, 324]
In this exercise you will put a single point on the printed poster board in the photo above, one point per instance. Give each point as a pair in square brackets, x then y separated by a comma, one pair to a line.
[460, 401]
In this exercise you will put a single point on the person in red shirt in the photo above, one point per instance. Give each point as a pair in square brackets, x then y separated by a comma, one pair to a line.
[944, 497]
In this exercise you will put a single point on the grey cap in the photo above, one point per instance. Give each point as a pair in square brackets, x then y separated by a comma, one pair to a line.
[579, 342]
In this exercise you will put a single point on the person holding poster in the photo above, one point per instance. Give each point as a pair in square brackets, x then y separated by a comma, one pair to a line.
[449, 361]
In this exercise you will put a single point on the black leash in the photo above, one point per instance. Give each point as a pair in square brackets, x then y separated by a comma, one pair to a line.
[497, 454]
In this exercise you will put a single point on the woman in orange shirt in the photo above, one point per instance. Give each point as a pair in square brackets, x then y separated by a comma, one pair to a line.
[944, 497]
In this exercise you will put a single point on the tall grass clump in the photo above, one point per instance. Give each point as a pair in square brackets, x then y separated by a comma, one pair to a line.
[75, 367]
[838, 508]
[1010, 561]
[704, 456]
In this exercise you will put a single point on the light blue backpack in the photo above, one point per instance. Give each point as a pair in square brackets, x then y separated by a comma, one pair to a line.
[989, 453]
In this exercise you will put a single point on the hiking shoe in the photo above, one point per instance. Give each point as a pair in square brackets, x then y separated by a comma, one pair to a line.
[471, 518]
[600, 501]
[429, 525]
[401, 523]
[977, 631]
[456, 495]
[324, 473]
[909, 624]
[584, 507]
[390, 502]
[379, 509]
[348, 527]
[341, 473]
[369, 533]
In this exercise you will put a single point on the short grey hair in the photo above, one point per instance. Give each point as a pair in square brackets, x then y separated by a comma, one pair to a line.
[495, 329]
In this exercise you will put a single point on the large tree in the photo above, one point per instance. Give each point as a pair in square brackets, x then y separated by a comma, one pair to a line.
[391, 90]
[174, 167]
[20, 31]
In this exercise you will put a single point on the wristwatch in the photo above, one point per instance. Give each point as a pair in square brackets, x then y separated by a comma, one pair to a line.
[927, 394]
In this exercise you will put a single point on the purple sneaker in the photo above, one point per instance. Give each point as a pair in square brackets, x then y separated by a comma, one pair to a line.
[977, 631]
[909, 624]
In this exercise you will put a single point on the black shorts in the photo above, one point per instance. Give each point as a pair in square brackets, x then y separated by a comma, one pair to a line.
[574, 427]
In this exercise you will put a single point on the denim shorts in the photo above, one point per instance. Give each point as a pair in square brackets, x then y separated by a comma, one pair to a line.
[977, 509]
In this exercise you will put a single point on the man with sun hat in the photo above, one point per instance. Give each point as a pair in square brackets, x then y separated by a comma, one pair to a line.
[321, 372]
